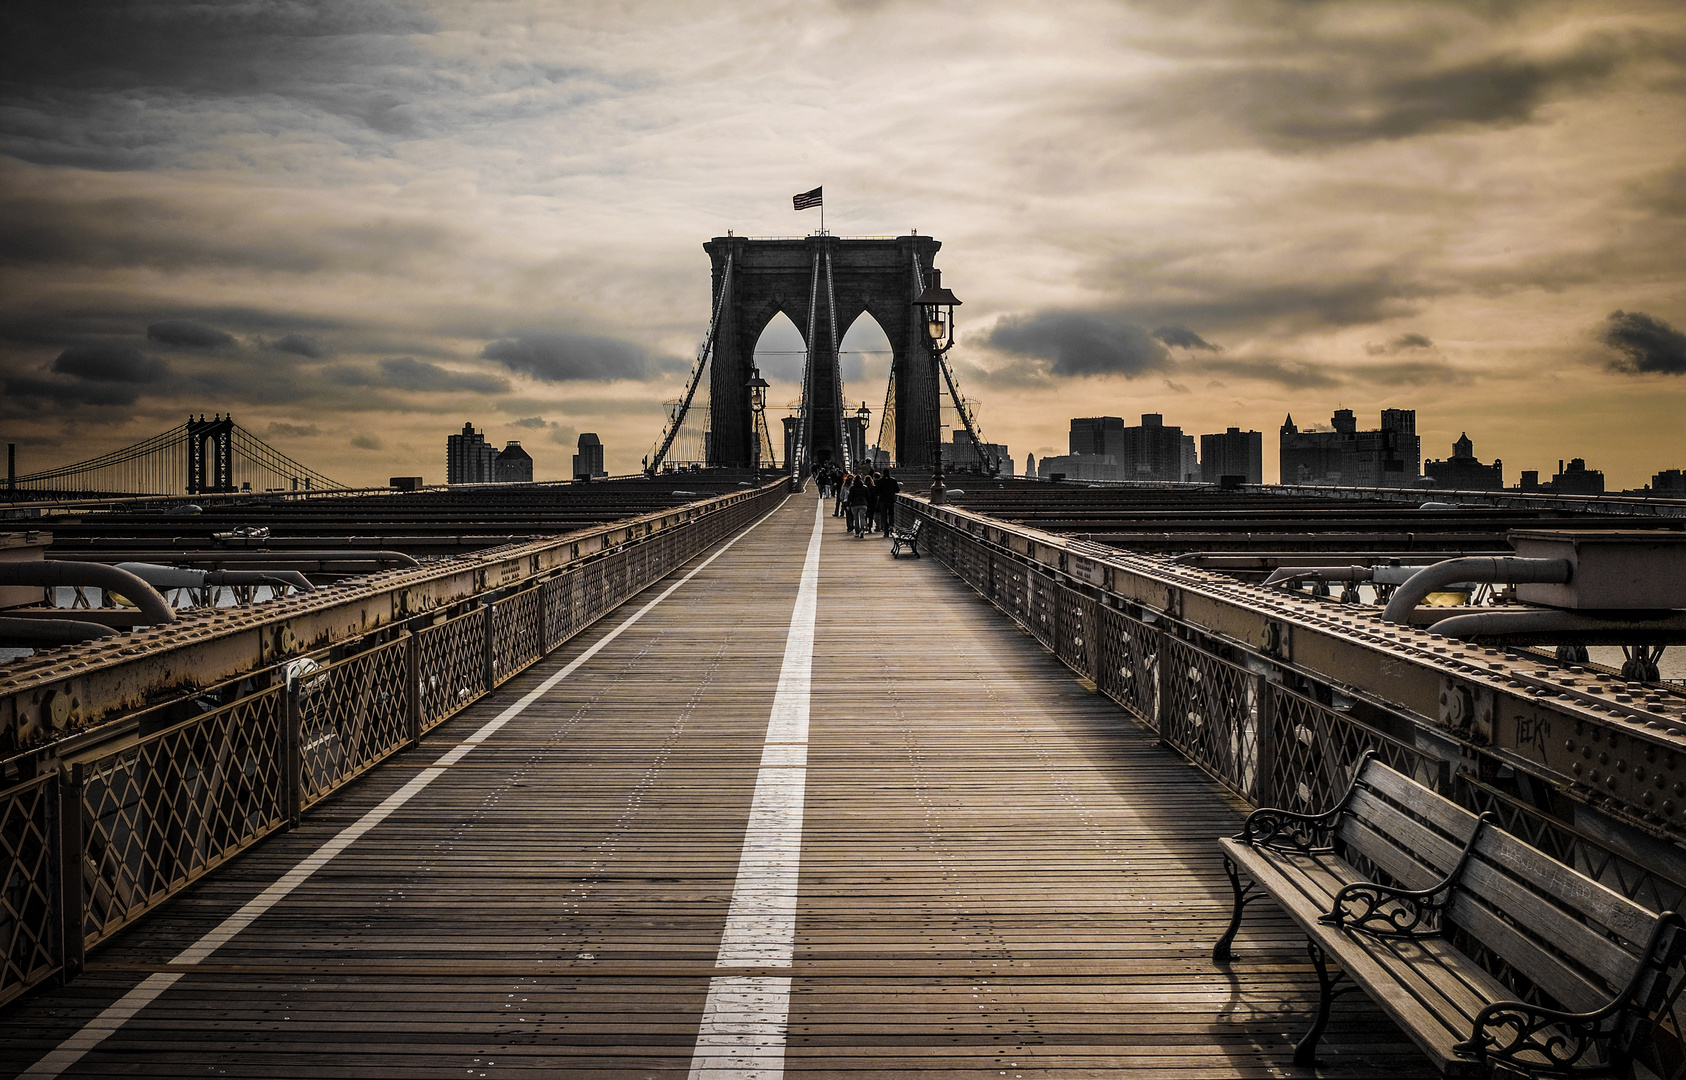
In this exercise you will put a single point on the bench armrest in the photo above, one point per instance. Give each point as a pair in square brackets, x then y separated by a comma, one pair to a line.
[1285, 830]
[1531, 1034]
[1387, 911]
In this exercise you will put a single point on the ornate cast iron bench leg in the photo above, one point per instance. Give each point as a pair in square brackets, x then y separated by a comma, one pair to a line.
[1305, 1054]
[1244, 895]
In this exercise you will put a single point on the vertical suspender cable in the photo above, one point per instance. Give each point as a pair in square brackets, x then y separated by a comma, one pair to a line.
[799, 464]
[836, 364]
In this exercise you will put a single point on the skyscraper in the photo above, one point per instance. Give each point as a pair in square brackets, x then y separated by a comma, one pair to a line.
[468, 460]
[589, 461]
[1233, 453]
[1390, 456]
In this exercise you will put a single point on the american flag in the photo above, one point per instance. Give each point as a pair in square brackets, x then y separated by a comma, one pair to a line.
[809, 198]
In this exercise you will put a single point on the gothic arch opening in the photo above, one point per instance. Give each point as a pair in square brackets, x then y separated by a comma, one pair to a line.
[824, 283]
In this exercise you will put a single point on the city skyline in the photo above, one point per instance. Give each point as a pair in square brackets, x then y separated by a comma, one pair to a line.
[351, 226]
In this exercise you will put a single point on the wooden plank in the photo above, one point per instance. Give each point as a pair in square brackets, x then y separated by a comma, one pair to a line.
[1000, 872]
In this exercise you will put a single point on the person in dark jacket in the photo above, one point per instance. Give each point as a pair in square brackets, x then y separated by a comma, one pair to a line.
[860, 496]
[886, 487]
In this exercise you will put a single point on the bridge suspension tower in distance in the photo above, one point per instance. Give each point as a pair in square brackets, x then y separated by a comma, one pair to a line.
[822, 283]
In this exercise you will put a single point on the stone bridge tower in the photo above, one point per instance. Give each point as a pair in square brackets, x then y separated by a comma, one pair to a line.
[769, 276]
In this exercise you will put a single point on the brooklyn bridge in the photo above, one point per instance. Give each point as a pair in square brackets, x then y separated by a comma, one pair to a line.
[672, 774]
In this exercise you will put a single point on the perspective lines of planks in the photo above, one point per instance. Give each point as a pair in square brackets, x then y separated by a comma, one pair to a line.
[999, 873]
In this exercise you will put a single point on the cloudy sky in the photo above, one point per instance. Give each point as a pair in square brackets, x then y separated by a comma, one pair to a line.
[355, 226]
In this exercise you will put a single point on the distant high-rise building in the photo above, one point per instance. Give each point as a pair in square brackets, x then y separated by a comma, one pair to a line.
[1233, 453]
[1669, 482]
[1152, 451]
[468, 460]
[961, 455]
[1096, 435]
[1345, 456]
[513, 465]
[1577, 479]
[589, 461]
[1030, 466]
[1463, 471]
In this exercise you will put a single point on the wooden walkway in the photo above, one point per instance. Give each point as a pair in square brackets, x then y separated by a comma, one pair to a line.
[1000, 874]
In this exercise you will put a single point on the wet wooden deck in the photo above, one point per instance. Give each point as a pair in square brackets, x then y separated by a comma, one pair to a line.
[1000, 874]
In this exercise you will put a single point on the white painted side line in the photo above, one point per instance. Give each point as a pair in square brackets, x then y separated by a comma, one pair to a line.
[746, 1018]
[115, 1016]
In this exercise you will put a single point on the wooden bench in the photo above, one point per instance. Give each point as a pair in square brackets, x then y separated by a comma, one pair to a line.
[1608, 962]
[908, 538]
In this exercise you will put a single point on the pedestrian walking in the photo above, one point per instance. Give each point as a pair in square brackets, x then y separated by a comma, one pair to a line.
[887, 487]
[859, 493]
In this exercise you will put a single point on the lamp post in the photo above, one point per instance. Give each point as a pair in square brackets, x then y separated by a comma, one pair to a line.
[937, 306]
[757, 387]
[863, 416]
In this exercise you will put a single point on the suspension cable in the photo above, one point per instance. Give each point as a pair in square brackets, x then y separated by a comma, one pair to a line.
[988, 464]
[837, 365]
[703, 355]
[799, 463]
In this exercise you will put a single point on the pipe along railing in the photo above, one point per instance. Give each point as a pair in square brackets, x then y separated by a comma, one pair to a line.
[1274, 733]
[160, 800]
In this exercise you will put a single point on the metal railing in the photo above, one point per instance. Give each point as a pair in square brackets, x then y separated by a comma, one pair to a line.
[156, 806]
[1272, 733]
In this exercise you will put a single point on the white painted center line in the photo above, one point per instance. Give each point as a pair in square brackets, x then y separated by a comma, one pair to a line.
[115, 1016]
[746, 1017]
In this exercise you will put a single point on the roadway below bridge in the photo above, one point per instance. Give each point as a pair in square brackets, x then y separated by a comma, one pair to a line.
[798, 808]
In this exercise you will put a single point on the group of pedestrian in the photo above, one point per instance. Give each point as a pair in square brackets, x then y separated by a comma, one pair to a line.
[865, 500]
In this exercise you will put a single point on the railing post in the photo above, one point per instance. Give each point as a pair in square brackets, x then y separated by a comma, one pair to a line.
[1264, 745]
[412, 687]
[543, 593]
[70, 843]
[488, 671]
[292, 751]
[1162, 679]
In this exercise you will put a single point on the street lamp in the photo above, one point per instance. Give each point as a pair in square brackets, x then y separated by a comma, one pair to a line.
[757, 387]
[937, 306]
[864, 416]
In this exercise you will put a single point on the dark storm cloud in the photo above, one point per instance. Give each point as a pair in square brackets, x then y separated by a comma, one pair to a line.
[1647, 344]
[279, 428]
[528, 422]
[111, 364]
[565, 357]
[73, 71]
[66, 395]
[298, 345]
[1294, 374]
[1402, 343]
[407, 373]
[1181, 337]
[1281, 301]
[180, 234]
[110, 85]
[1328, 93]
[186, 334]
[1080, 343]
